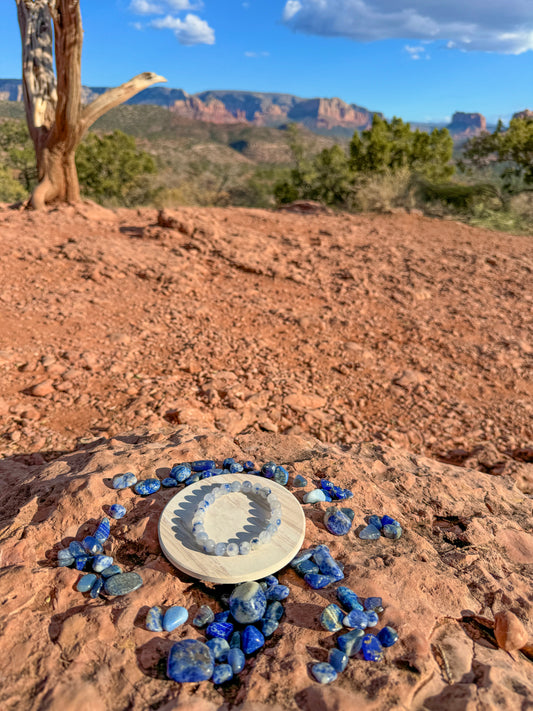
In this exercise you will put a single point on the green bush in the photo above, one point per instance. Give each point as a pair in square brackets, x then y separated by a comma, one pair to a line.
[10, 188]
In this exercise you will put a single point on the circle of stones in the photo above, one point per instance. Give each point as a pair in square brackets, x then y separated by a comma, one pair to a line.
[246, 546]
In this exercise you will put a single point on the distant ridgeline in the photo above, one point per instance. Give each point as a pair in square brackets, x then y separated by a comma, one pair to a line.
[263, 109]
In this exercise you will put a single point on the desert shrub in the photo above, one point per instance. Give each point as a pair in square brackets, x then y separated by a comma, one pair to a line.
[378, 192]
[17, 152]
[459, 196]
[10, 188]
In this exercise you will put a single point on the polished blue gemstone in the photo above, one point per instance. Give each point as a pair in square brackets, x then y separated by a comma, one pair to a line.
[236, 659]
[101, 562]
[314, 496]
[337, 522]
[251, 639]
[328, 486]
[356, 619]
[299, 481]
[281, 475]
[307, 566]
[277, 592]
[247, 602]
[373, 603]
[147, 486]
[219, 629]
[375, 521]
[97, 587]
[370, 533]
[154, 619]
[204, 616]
[174, 617]
[102, 532]
[65, 558]
[269, 627]
[168, 482]
[124, 481]
[222, 616]
[236, 468]
[86, 582]
[190, 661]
[227, 462]
[271, 580]
[218, 647]
[317, 581]
[392, 530]
[387, 519]
[123, 583]
[331, 618]
[274, 611]
[80, 561]
[372, 649]
[235, 640]
[248, 466]
[388, 636]
[337, 659]
[324, 673]
[222, 673]
[327, 565]
[351, 642]
[117, 511]
[202, 464]
[112, 570]
[192, 479]
[76, 549]
[372, 618]
[343, 493]
[91, 545]
[180, 472]
[302, 555]
[269, 469]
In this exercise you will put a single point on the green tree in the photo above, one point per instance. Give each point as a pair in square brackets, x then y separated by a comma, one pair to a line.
[19, 153]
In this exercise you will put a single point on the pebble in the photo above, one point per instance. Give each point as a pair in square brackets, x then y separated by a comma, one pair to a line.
[301, 557]
[373, 603]
[314, 496]
[372, 618]
[112, 570]
[220, 629]
[117, 511]
[351, 642]
[324, 673]
[277, 592]
[97, 587]
[372, 649]
[174, 617]
[509, 631]
[337, 522]
[180, 472]
[154, 619]
[218, 647]
[306, 566]
[86, 582]
[388, 636]
[281, 475]
[247, 603]
[202, 464]
[248, 466]
[80, 561]
[385, 520]
[235, 468]
[235, 641]
[236, 659]
[326, 563]
[370, 533]
[227, 462]
[337, 659]
[317, 581]
[269, 627]
[192, 479]
[356, 619]
[271, 580]
[204, 616]
[299, 481]
[251, 639]
[190, 661]
[64, 558]
[375, 521]
[76, 549]
[102, 532]
[269, 469]
[392, 530]
[274, 611]
[222, 673]
[147, 486]
[124, 481]
[348, 598]
[91, 545]
[169, 482]
[123, 583]
[222, 616]
[101, 562]
[331, 618]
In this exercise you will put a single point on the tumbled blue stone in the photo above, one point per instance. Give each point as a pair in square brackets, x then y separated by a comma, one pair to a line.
[200, 465]
[315, 495]
[372, 618]
[328, 486]
[168, 482]
[190, 660]
[192, 479]
[392, 530]
[370, 533]
[373, 603]
[97, 587]
[251, 639]
[277, 592]
[86, 582]
[269, 627]
[236, 659]
[302, 555]
[299, 481]
[337, 522]
[154, 619]
[65, 558]
[375, 521]
[388, 636]
[80, 561]
[307, 566]
[247, 602]
[228, 462]
[207, 474]
[204, 616]
[351, 642]
[112, 570]
[341, 494]
[91, 545]
[123, 583]
[331, 618]
[281, 475]
[147, 486]
[269, 469]
[372, 649]
[348, 512]
[337, 659]
[236, 468]
[222, 673]
[274, 611]
[248, 466]
[180, 472]
[123, 481]
[326, 563]
[174, 617]
[271, 580]
[117, 511]
[387, 519]
[76, 549]
[356, 619]
[102, 532]
[101, 562]
[235, 641]
[219, 629]
[317, 581]
[218, 647]
[324, 673]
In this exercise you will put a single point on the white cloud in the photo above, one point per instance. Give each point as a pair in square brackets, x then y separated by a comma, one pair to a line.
[255, 55]
[416, 52]
[149, 7]
[191, 30]
[476, 25]
[145, 7]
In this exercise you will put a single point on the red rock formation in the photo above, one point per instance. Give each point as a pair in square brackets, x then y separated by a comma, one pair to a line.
[328, 113]
[525, 114]
[212, 111]
[467, 124]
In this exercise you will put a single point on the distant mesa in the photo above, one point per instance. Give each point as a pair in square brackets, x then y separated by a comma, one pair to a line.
[465, 125]
[525, 114]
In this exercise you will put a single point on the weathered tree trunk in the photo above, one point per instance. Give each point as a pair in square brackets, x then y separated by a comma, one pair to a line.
[56, 119]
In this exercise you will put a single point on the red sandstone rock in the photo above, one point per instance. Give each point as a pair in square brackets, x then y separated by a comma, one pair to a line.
[510, 632]
[42, 389]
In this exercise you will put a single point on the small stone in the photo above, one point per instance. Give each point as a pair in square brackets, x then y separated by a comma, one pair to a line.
[222, 616]
[337, 522]
[314, 496]
[269, 627]
[281, 476]
[248, 466]
[112, 570]
[247, 603]
[147, 487]
[301, 557]
[169, 482]
[299, 481]
[372, 649]
[317, 581]
[190, 661]
[269, 469]
[123, 583]
[222, 673]
[252, 639]
[64, 558]
[101, 562]
[327, 486]
[91, 545]
[370, 533]
[307, 566]
[331, 618]
[343, 493]
[327, 564]
[337, 659]
[80, 561]
[227, 462]
[154, 619]
[192, 479]
[373, 603]
[386, 520]
[76, 549]
[102, 532]
[392, 530]
[42, 389]
[277, 592]
[218, 647]
[174, 617]
[236, 659]
[509, 631]
[124, 481]
[388, 636]
[219, 629]
[375, 521]
[274, 611]
[235, 641]
[202, 464]
[117, 511]
[180, 472]
[271, 580]
[356, 619]
[235, 468]
[372, 618]
[351, 642]
[96, 588]
[324, 673]
[86, 582]
[348, 598]
[204, 616]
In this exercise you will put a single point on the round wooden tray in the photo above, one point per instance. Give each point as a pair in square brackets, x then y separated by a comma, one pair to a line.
[233, 515]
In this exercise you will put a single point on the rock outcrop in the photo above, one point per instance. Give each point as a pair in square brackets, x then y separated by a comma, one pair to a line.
[467, 125]
[525, 114]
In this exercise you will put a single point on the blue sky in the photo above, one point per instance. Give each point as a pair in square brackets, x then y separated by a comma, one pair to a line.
[421, 62]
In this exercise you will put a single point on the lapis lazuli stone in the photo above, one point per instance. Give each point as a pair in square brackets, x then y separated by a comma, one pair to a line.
[387, 519]
[299, 481]
[222, 616]
[192, 479]
[147, 487]
[190, 661]
[317, 581]
[124, 481]
[373, 603]
[235, 641]
[269, 469]
[348, 598]
[86, 582]
[236, 468]
[228, 462]
[343, 493]
[112, 570]
[174, 617]
[351, 642]
[97, 587]
[331, 618]
[271, 580]
[154, 619]
[222, 673]
[372, 649]
[247, 603]
[370, 533]
[356, 619]
[236, 659]
[392, 530]
[328, 486]
[204, 616]
[274, 611]
[101, 562]
[218, 647]
[251, 639]
[180, 472]
[200, 465]
[281, 475]
[91, 545]
[248, 466]
[117, 511]
[314, 496]
[337, 659]
[123, 583]
[326, 563]
[372, 618]
[277, 592]
[269, 627]
[375, 521]
[324, 673]
[207, 474]
[219, 629]
[388, 636]
[302, 555]
[65, 558]
[80, 561]
[76, 549]
[102, 532]
[168, 482]
[337, 522]
[306, 566]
